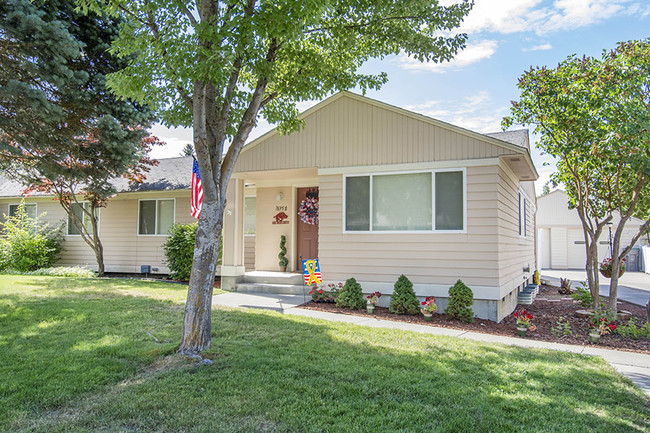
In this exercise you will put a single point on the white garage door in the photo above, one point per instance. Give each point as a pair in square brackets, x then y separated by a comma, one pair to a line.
[576, 254]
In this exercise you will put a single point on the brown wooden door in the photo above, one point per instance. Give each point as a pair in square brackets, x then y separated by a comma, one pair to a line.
[307, 234]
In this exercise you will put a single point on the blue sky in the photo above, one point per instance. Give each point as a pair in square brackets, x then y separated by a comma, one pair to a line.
[506, 37]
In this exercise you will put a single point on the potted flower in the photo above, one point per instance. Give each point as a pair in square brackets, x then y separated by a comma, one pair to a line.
[601, 324]
[428, 308]
[373, 299]
[523, 322]
[606, 268]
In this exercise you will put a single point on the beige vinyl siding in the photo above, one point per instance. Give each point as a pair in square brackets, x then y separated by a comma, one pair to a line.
[249, 252]
[349, 132]
[516, 252]
[426, 258]
[124, 249]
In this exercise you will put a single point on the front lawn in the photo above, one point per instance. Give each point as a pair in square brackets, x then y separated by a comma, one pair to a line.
[98, 355]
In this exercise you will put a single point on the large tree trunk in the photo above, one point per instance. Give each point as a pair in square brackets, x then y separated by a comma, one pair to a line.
[197, 326]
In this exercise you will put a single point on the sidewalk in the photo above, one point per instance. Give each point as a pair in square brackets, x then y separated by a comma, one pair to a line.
[634, 366]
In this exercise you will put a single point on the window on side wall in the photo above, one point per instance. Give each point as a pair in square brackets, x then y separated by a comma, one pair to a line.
[155, 217]
[78, 210]
[250, 204]
[522, 216]
[424, 201]
[30, 210]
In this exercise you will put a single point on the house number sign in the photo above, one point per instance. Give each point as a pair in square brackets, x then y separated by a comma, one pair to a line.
[281, 215]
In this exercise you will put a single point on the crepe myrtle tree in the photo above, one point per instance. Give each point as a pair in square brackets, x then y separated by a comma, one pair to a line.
[61, 130]
[219, 65]
[593, 116]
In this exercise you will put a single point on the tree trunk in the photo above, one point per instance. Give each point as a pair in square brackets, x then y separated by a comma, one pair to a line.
[592, 269]
[197, 326]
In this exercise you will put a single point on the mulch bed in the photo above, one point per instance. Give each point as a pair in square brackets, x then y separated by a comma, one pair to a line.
[547, 308]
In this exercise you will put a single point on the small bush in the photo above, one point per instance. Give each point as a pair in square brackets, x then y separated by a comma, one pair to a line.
[179, 250]
[26, 244]
[562, 328]
[403, 299]
[583, 296]
[351, 295]
[461, 299]
[632, 330]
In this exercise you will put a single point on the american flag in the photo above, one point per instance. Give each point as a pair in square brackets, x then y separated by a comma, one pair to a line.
[197, 191]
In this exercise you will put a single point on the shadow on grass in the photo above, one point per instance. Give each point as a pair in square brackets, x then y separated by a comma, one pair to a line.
[74, 365]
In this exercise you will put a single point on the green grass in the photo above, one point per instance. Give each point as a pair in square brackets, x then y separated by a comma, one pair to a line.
[78, 355]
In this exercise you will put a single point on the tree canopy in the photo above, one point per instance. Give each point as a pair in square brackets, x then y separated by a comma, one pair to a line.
[61, 129]
[219, 65]
[592, 116]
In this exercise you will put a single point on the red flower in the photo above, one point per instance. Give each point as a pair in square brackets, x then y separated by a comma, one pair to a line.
[320, 291]
[311, 291]
[612, 326]
[424, 303]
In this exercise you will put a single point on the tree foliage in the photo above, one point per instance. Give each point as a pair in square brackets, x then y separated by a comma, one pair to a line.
[219, 65]
[593, 117]
[61, 130]
[351, 295]
[461, 299]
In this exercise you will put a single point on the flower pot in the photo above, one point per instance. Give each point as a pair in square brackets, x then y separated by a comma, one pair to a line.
[607, 273]
[522, 331]
[370, 309]
[594, 337]
[283, 268]
[428, 317]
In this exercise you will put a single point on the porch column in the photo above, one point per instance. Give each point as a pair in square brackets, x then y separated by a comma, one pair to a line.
[232, 268]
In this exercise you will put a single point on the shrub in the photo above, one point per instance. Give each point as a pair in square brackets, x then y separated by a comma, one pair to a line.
[26, 244]
[179, 250]
[282, 259]
[632, 330]
[583, 296]
[403, 299]
[461, 299]
[351, 295]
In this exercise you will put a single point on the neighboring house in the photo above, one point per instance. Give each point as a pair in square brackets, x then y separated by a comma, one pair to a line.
[399, 193]
[561, 241]
[132, 227]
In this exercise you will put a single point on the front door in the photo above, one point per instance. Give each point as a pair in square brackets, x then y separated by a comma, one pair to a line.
[307, 234]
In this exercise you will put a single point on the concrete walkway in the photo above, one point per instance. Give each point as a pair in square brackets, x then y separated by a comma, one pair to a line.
[634, 366]
[634, 287]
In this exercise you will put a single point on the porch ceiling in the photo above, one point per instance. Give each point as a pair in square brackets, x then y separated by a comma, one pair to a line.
[522, 166]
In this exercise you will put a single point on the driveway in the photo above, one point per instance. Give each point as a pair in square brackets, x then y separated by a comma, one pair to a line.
[633, 287]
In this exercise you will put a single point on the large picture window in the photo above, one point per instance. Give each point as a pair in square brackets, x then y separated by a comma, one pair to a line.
[156, 216]
[425, 201]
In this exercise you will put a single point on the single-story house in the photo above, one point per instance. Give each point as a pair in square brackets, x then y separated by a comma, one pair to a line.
[561, 241]
[132, 227]
[398, 193]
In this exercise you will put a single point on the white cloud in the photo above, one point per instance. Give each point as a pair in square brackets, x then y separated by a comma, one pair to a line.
[544, 16]
[471, 54]
[477, 112]
[542, 47]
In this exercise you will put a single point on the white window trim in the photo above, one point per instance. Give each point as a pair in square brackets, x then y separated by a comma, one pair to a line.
[18, 204]
[433, 202]
[67, 220]
[137, 227]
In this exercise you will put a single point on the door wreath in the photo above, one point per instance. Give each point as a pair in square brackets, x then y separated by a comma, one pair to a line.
[308, 210]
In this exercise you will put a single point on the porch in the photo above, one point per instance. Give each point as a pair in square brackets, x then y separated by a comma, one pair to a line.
[261, 207]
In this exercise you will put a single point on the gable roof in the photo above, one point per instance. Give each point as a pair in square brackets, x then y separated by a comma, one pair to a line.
[347, 129]
[170, 174]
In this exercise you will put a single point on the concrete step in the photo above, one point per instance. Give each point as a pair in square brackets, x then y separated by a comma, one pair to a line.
[265, 277]
[285, 289]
